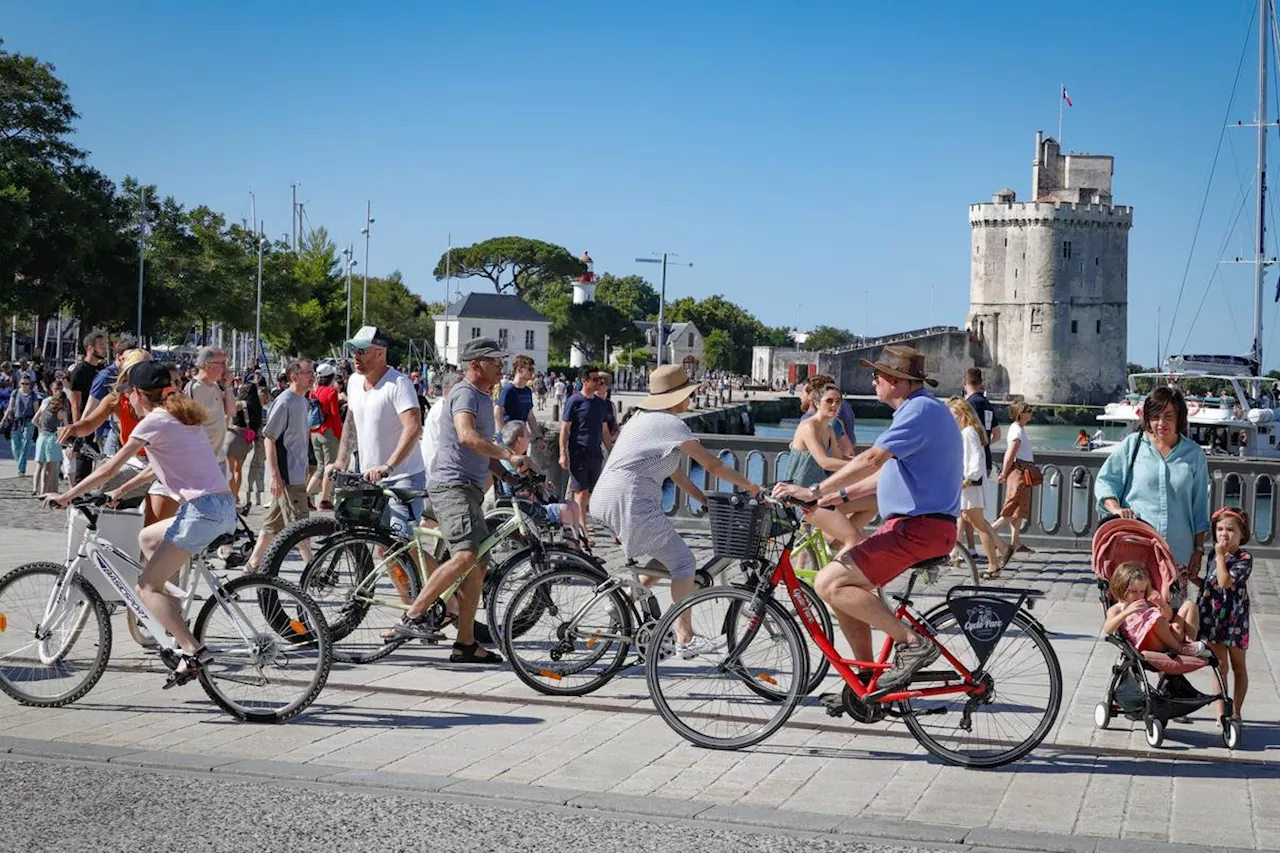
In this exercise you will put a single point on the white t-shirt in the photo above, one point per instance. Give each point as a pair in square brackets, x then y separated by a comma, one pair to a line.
[431, 428]
[377, 417]
[1025, 453]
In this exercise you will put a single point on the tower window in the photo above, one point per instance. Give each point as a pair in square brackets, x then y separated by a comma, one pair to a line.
[1006, 241]
[1095, 262]
[1015, 272]
[1073, 327]
[1066, 248]
[1035, 320]
[1098, 326]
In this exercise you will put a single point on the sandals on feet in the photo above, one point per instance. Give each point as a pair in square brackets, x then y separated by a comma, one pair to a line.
[474, 653]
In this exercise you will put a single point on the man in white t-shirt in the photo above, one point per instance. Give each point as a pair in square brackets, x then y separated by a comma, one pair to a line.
[384, 423]
[434, 423]
[220, 403]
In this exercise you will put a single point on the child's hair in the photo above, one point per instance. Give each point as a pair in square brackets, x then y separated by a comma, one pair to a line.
[512, 432]
[1238, 516]
[182, 407]
[1124, 576]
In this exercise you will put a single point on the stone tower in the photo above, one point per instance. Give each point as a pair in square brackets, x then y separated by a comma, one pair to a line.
[1048, 283]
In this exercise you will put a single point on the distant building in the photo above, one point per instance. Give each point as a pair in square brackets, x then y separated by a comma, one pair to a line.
[1048, 283]
[509, 320]
[683, 343]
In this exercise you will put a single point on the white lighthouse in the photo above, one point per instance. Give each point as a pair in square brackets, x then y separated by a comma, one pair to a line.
[584, 290]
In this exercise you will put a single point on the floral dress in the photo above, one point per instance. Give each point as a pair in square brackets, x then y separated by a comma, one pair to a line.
[1224, 613]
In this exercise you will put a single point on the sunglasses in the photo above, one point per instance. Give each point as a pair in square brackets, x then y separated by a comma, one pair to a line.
[359, 351]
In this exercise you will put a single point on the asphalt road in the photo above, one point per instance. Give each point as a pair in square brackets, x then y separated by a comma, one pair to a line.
[57, 805]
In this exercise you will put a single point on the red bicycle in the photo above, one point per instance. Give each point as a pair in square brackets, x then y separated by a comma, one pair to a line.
[992, 696]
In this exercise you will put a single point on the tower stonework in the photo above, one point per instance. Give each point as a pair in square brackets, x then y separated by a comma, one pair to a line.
[1048, 283]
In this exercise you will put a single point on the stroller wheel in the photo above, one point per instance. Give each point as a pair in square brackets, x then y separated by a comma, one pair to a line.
[1102, 714]
[1155, 732]
[1231, 732]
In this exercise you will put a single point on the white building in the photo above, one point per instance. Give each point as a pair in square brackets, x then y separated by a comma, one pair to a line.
[683, 344]
[509, 320]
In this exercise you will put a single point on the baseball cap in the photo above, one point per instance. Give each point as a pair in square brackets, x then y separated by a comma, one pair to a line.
[150, 376]
[481, 348]
[368, 336]
[325, 369]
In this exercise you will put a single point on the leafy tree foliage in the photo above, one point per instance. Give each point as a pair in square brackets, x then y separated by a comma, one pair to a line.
[827, 337]
[510, 263]
[631, 294]
[717, 350]
[741, 328]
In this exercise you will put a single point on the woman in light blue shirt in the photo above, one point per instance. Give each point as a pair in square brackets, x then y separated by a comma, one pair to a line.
[1168, 486]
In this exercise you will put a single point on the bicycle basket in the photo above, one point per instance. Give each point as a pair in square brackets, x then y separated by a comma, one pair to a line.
[740, 526]
[359, 507]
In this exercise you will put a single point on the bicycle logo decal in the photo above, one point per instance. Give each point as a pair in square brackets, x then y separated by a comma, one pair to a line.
[982, 623]
[984, 620]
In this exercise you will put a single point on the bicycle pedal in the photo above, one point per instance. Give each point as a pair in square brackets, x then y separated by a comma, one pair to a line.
[833, 703]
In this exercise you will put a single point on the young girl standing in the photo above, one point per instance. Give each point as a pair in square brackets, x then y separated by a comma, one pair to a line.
[1224, 601]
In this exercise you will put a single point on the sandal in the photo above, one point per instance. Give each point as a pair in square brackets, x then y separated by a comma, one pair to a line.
[1023, 549]
[474, 653]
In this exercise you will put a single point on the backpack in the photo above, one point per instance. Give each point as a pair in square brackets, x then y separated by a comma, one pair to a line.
[315, 415]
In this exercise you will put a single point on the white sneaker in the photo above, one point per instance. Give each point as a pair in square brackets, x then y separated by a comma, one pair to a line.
[697, 645]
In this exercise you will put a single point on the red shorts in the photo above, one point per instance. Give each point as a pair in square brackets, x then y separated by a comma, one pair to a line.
[900, 543]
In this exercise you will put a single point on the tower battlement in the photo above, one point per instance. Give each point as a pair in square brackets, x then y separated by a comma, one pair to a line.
[1050, 212]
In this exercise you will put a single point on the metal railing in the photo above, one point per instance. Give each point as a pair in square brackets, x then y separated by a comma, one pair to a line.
[1064, 511]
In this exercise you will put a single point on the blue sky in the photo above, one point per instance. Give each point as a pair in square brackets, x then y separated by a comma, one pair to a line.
[801, 155]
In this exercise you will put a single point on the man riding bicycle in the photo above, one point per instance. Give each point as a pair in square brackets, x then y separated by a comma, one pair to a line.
[914, 469]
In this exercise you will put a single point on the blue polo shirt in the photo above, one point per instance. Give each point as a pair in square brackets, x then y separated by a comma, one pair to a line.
[927, 467]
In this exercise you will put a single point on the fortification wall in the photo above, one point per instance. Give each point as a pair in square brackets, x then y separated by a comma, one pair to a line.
[946, 359]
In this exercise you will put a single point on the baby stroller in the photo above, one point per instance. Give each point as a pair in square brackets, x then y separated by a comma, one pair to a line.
[1130, 693]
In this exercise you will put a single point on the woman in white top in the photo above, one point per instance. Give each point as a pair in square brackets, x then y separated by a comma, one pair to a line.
[972, 499]
[1017, 500]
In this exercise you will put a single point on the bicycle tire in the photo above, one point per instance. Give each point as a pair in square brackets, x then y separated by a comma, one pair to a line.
[330, 581]
[306, 638]
[21, 622]
[816, 664]
[790, 662]
[294, 533]
[940, 620]
[538, 656]
[502, 582]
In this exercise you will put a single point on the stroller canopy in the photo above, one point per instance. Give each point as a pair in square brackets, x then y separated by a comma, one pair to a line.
[1124, 540]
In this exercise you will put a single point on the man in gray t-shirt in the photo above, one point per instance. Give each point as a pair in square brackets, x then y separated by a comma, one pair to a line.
[456, 488]
[286, 437]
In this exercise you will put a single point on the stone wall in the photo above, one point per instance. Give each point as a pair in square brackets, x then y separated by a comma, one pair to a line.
[947, 357]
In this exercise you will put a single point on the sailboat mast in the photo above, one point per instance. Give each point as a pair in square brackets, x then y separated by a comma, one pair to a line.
[1259, 266]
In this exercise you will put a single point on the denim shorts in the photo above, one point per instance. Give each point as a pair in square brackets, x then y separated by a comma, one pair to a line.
[400, 516]
[201, 521]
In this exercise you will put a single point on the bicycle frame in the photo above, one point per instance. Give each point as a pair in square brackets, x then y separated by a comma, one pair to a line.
[785, 573]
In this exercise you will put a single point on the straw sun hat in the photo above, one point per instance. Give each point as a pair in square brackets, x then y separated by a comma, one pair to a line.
[668, 385]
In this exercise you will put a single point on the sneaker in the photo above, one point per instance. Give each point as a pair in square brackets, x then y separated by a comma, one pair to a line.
[697, 645]
[416, 629]
[189, 666]
[1196, 649]
[909, 659]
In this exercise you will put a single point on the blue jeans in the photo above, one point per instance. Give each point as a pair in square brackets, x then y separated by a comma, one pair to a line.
[21, 440]
[402, 517]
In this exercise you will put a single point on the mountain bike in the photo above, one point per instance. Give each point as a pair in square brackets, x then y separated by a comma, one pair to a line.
[992, 697]
[271, 649]
[365, 577]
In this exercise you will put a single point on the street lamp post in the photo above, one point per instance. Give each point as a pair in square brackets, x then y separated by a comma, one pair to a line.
[143, 219]
[368, 222]
[606, 352]
[347, 266]
[257, 342]
[661, 258]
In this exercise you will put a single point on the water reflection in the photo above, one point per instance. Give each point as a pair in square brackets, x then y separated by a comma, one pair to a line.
[728, 458]
[1264, 492]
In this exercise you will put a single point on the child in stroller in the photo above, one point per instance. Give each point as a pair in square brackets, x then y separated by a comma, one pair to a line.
[1135, 570]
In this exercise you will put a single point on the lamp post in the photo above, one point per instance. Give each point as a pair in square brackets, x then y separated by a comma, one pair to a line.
[143, 220]
[347, 266]
[257, 341]
[661, 258]
[606, 352]
[368, 222]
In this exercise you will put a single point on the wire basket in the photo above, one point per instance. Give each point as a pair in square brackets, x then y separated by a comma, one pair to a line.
[359, 507]
[740, 526]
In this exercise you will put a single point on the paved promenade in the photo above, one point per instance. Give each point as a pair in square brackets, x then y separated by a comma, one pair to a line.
[416, 722]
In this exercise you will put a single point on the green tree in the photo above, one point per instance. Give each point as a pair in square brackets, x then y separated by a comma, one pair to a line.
[716, 312]
[717, 350]
[510, 263]
[403, 315]
[829, 337]
[630, 294]
[585, 326]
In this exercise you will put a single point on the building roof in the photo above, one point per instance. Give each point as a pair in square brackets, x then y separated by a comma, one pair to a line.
[493, 306]
[674, 330]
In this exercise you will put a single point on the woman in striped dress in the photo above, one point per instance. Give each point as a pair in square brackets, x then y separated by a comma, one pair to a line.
[628, 497]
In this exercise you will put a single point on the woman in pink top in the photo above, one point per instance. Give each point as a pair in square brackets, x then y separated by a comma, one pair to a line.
[180, 457]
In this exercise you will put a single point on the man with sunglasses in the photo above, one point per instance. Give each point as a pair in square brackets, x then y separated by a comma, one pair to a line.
[383, 424]
[915, 470]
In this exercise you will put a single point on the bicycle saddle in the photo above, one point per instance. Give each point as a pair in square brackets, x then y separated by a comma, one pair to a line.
[406, 495]
[931, 563]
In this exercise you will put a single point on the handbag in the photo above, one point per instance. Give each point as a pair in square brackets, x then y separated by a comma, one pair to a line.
[1031, 474]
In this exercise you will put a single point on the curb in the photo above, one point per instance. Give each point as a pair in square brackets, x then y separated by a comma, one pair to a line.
[516, 795]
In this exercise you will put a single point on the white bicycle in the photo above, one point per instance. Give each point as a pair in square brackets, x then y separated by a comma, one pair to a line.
[270, 643]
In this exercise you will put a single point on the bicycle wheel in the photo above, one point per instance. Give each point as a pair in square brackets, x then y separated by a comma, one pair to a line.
[259, 673]
[502, 582]
[51, 661]
[1012, 718]
[816, 664]
[705, 698]
[360, 598]
[579, 639]
[293, 548]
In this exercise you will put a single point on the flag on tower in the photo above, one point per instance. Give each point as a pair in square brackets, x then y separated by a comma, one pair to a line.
[1066, 97]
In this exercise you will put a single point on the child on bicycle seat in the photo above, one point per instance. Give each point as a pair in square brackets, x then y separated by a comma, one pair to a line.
[516, 437]
[1144, 617]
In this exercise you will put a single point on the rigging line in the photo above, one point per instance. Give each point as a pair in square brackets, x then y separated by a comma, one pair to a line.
[1240, 207]
[1212, 170]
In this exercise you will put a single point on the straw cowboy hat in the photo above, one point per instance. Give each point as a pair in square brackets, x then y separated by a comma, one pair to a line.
[668, 385]
[901, 363]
